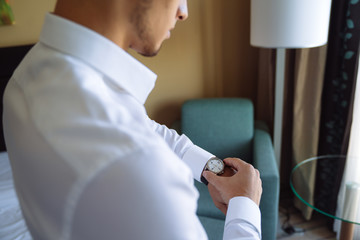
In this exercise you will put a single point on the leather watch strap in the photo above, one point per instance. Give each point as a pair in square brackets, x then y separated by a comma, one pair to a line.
[203, 180]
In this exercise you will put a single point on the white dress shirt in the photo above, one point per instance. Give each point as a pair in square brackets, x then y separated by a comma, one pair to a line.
[87, 161]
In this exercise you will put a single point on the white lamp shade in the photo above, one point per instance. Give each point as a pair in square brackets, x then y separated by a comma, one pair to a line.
[289, 23]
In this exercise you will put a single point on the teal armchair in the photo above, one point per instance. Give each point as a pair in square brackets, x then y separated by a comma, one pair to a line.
[226, 128]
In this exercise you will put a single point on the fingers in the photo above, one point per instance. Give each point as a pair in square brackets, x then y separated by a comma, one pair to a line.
[257, 173]
[228, 172]
[245, 181]
[238, 164]
[235, 163]
[212, 178]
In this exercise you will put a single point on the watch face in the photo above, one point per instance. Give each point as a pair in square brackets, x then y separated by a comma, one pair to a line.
[215, 165]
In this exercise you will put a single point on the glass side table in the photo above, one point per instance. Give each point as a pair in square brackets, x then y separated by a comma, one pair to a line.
[305, 171]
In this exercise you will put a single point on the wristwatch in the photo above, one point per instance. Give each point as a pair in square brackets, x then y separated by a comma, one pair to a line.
[215, 165]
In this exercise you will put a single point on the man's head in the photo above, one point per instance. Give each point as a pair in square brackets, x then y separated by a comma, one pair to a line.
[142, 25]
[153, 20]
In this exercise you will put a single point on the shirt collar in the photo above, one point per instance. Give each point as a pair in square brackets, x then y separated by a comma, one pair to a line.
[100, 53]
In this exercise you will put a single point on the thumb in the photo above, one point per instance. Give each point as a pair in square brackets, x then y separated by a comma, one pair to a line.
[235, 163]
[212, 178]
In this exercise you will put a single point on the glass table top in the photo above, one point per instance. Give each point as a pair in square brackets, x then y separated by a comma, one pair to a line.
[303, 184]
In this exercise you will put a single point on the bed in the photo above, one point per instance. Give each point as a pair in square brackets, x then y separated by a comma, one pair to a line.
[12, 224]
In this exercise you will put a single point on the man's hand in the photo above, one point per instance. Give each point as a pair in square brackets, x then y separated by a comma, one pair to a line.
[216, 195]
[245, 182]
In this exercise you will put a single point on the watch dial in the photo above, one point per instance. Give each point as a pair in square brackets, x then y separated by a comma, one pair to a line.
[215, 165]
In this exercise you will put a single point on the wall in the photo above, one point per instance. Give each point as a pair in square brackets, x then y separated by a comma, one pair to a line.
[240, 59]
[29, 16]
[179, 66]
[208, 55]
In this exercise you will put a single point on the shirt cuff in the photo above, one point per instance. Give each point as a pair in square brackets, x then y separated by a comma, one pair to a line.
[196, 158]
[244, 209]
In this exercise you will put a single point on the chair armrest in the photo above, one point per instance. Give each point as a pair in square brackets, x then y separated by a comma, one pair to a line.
[264, 160]
[264, 156]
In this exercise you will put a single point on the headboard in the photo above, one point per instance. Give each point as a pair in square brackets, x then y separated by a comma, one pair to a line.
[10, 57]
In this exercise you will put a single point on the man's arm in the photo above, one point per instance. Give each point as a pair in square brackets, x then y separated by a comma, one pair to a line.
[178, 143]
[241, 194]
[194, 156]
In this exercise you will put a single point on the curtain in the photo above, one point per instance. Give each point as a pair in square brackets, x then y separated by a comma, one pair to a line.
[319, 88]
[309, 75]
[337, 98]
[352, 167]
[302, 100]
[265, 90]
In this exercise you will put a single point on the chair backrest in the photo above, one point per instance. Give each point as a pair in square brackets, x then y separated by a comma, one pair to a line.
[222, 126]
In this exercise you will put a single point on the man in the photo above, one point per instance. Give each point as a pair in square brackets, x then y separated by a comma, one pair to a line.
[88, 163]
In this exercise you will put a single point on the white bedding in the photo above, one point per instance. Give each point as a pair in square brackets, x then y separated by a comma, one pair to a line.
[12, 224]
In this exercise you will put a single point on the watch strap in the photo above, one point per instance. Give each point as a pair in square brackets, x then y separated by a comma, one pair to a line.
[203, 180]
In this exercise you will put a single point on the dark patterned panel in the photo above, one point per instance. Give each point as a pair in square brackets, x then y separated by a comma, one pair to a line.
[339, 83]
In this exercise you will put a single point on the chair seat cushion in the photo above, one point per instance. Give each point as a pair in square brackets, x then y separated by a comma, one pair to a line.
[214, 227]
[206, 205]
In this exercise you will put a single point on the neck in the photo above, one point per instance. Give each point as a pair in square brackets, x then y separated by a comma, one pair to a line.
[103, 17]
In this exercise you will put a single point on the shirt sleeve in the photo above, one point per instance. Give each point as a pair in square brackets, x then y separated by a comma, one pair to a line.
[243, 220]
[194, 156]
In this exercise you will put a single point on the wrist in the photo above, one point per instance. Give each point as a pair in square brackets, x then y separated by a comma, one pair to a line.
[203, 179]
[214, 165]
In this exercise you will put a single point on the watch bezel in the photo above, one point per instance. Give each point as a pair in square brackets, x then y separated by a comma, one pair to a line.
[202, 179]
[219, 160]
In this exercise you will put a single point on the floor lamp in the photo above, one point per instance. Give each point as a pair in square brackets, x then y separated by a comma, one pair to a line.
[285, 24]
